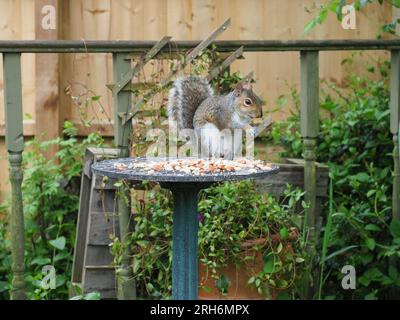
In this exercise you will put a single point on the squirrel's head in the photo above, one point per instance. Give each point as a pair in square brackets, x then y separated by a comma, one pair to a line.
[248, 102]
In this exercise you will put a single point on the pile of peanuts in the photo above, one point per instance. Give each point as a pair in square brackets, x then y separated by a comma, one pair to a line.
[197, 166]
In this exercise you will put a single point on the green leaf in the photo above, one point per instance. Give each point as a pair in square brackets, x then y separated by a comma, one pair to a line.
[92, 296]
[372, 227]
[396, 3]
[269, 264]
[362, 177]
[40, 261]
[136, 264]
[58, 243]
[393, 273]
[143, 243]
[299, 260]
[309, 26]
[284, 233]
[338, 252]
[395, 228]
[206, 289]
[280, 247]
[370, 243]
[251, 280]
[4, 286]
[283, 295]
[223, 284]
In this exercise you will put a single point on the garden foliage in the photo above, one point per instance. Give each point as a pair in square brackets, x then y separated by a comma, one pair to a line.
[51, 197]
[355, 141]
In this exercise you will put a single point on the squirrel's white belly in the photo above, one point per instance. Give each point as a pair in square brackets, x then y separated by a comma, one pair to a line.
[215, 143]
[239, 122]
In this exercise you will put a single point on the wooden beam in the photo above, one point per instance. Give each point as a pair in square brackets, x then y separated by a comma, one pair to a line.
[105, 129]
[122, 102]
[15, 146]
[309, 121]
[309, 118]
[29, 128]
[122, 46]
[126, 78]
[309, 95]
[47, 110]
[394, 128]
[126, 283]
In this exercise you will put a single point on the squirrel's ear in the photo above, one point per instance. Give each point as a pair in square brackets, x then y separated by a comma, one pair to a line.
[238, 89]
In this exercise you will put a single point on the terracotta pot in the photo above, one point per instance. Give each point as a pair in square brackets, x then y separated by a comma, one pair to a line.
[238, 276]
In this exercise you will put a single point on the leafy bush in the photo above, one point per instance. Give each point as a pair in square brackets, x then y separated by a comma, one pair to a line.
[356, 143]
[51, 196]
[230, 215]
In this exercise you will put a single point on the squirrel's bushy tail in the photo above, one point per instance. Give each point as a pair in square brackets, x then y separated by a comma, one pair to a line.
[185, 97]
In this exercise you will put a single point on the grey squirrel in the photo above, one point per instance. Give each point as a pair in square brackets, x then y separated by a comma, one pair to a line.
[193, 105]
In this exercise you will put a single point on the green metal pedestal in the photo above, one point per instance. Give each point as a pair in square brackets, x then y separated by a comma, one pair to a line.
[185, 239]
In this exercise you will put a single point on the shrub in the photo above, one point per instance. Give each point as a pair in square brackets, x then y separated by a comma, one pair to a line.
[51, 196]
[356, 143]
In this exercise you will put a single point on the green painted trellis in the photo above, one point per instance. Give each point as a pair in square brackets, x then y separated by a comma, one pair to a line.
[309, 51]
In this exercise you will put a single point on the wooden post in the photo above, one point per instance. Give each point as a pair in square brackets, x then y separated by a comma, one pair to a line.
[309, 118]
[309, 127]
[394, 128]
[122, 134]
[48, 116]
[15, 146]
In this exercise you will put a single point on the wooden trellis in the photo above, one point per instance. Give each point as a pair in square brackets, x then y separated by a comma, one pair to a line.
[309, 49]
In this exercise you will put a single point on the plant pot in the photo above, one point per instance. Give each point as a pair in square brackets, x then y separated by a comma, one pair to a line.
[238, 276]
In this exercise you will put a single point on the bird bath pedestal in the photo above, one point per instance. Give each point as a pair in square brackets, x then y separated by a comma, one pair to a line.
[185, 189]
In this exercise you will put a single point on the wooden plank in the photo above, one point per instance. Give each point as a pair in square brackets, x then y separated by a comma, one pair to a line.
[225, 64]
[394, 91]
[105, 184]
[126, 78]
[83, 213]
[309, 121]
[49, 120]
[104, 128]
[15, 146]
[98, 256]
[394, 128]
[309, 93]
[102, 200]
[29, 128]
[175, 55]
[13, 102]
[293, 175]
[102, 227]
[102, 281]
[122, 130]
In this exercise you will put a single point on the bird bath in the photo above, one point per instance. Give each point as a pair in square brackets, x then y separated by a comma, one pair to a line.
[185, 185]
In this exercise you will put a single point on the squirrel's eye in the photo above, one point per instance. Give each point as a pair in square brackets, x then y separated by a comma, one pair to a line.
[248, 102]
